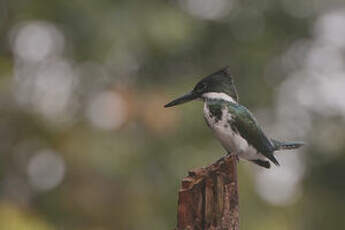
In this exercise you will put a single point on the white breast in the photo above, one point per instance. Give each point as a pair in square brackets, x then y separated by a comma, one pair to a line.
[230, 140]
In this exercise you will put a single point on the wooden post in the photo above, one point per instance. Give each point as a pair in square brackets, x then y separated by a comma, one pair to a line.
[208, 198]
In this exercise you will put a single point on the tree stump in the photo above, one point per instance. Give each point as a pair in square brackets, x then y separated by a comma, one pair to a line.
[208, 198]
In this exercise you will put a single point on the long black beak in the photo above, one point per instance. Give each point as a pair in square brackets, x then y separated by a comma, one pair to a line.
[185, 98]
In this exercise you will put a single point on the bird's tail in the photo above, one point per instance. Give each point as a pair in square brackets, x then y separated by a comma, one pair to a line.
[279, 145]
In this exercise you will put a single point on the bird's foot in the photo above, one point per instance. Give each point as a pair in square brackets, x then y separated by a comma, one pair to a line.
[237, 158]
[227, 155]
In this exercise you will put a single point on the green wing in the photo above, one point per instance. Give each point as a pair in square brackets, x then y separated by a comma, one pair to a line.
[245, 124]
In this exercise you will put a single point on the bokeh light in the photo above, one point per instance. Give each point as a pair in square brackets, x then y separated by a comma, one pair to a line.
[281, 185]
[46, 170]
[36, 41]
[107, 110]
[330, 30]
[204, 9]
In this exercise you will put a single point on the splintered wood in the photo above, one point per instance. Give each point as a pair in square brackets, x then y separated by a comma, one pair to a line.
[208, 198]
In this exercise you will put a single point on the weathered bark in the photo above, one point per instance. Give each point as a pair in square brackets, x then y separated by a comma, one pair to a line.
[208, 198]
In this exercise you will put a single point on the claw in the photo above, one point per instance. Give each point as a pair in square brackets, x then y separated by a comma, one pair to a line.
[237, 158]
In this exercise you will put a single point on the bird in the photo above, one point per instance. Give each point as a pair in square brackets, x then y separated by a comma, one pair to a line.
[232, 123]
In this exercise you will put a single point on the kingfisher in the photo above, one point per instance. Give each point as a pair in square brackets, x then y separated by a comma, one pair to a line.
[232, 123]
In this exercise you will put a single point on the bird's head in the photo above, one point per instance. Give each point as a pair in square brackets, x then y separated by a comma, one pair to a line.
[219, 82]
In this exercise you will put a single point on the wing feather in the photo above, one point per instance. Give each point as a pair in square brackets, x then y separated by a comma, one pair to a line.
[246, 125]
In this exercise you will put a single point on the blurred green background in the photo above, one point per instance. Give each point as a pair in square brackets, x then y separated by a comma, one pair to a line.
[85, 142]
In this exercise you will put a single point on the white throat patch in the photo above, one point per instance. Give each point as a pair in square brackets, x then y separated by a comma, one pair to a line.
[221, 96]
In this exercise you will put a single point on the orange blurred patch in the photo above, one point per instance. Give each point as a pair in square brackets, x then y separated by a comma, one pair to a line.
[157, 118]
